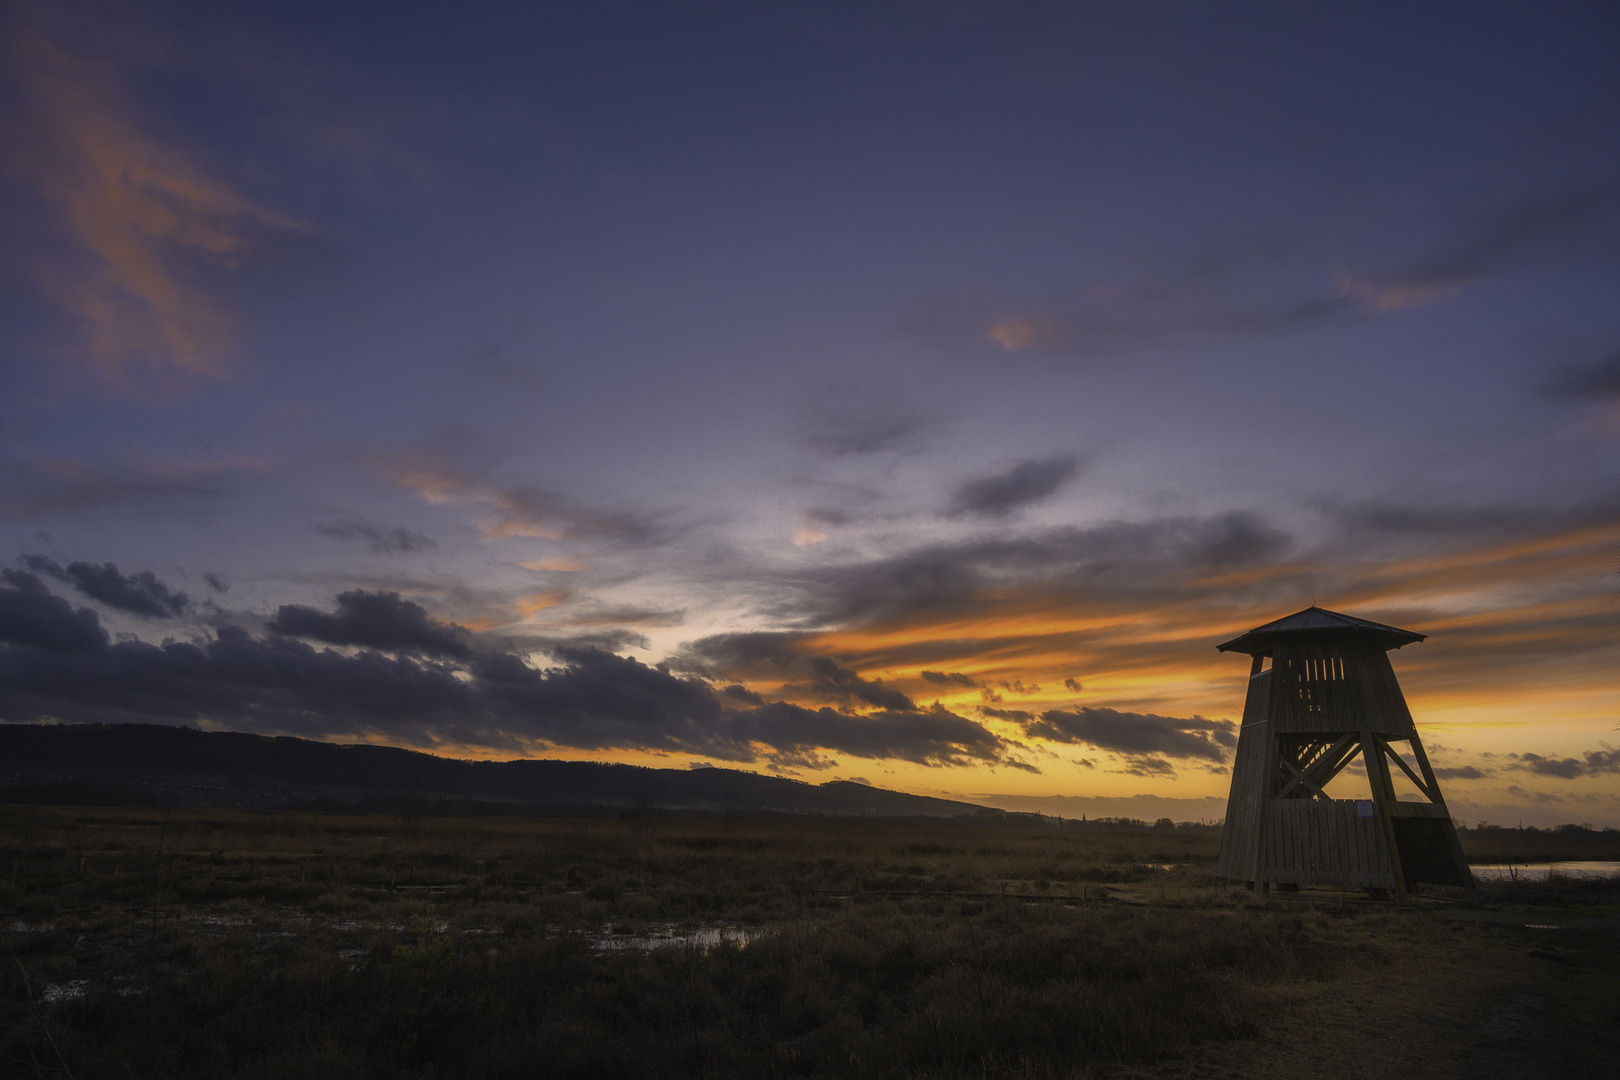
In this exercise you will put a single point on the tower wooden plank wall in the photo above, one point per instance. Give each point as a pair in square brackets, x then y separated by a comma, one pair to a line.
[1321, 694]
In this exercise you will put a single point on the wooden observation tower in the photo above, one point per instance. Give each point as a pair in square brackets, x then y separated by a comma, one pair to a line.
[1322, 693]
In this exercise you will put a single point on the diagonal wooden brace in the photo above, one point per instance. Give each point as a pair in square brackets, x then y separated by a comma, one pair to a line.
[1383, 744]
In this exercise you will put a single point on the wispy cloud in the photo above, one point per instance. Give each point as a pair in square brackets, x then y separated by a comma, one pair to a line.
[851, 420]
[1263, 288]
[138, 214]
[43, 487]
[381, 539]
[448, 472]
[1489, 242]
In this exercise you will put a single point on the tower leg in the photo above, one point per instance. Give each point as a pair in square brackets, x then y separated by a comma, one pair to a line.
[1452, 840]
[1383, 793]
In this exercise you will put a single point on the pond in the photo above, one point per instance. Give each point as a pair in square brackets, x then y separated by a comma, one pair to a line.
[1538, 871]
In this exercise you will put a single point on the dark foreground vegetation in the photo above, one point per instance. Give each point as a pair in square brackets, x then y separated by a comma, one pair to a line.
[233, 944]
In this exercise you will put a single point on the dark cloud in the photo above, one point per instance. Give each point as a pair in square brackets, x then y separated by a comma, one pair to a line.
[596, 700]
[1599, 381]
[377, 620]
[1137, 734]
[378, 538]
[832, 681]
[738, 692]
[782, 655]
[950, 678]
[217, 582]
[1073, 684]
[930, 737]
[57, 663]
[1150, 765]
[137, 594]
[1017, 716]
[1234, 539]
[1024, 484]
[770, 651]
[31, 616]
[1460, 772]
[1592, 763]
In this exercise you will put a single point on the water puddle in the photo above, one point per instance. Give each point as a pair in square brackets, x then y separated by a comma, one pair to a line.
[68, 991]
[703, 939]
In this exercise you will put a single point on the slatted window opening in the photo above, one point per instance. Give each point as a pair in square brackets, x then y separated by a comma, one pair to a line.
[1309, 675]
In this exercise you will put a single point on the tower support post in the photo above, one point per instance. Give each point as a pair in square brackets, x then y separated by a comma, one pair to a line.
[1383, 793]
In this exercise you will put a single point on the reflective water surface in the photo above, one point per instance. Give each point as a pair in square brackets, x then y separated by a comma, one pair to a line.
[1537, 871]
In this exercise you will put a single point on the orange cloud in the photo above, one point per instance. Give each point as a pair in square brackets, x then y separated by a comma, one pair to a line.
[518, 510]
[430, 483]
[562, 565]
[138, 212]
[1522, 647]
[1016, 335]
[539, 601]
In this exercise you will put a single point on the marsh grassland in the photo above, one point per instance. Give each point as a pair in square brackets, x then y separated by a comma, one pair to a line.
[145, 943]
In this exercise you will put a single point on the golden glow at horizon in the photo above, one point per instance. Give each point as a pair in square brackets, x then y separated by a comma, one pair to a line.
[1494, 613]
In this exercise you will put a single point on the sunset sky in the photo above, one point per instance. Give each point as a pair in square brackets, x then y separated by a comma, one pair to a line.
[914, 393]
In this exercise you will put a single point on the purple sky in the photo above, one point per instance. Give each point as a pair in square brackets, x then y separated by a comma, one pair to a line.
[816, 350]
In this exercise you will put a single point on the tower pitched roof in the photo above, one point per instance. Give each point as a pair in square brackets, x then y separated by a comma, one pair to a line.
[1314, 618]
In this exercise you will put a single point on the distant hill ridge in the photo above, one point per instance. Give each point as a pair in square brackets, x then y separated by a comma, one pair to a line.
[276, 770]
